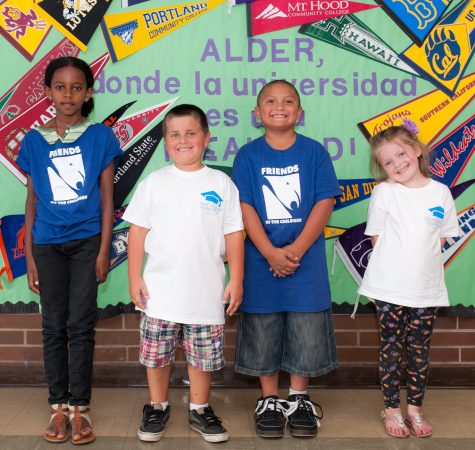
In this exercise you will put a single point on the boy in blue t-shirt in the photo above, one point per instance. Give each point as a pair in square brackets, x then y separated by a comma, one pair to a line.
[287, 187]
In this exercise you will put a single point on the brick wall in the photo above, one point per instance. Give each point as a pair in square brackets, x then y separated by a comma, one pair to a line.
[117, 338]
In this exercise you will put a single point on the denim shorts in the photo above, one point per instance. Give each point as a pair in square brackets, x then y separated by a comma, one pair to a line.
[202, 344]
[300, 343]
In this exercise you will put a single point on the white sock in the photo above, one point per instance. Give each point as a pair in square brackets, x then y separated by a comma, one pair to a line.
[197, 406]
[294, 392]
[163, 404]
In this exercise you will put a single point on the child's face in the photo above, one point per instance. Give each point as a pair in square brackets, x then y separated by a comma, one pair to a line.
[401, 164]
[186, 142]
[69, 91]
[278, 107]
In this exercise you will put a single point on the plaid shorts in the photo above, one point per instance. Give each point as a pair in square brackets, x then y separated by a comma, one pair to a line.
[202, 344]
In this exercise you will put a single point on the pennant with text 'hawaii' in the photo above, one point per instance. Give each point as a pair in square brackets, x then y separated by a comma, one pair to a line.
[76, 19]
[443, 57]
[432, 112]
[42, 111]
[264, 16]
[415, 18]
[351, 34]
[23, 25]
[128, 32]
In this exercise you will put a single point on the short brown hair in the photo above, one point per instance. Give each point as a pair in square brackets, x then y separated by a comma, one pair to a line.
[186, 110]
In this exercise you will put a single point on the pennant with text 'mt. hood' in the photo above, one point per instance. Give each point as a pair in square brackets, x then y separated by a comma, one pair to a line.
[264, 16]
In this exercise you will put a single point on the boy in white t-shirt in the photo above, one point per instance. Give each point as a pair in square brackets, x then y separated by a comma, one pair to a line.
[185, 217]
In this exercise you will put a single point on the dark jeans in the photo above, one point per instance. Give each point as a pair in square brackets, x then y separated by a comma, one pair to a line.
[68, 293]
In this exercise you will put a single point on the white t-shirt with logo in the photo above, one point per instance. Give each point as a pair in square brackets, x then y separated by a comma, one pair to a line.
[406, 266]
[188, 214]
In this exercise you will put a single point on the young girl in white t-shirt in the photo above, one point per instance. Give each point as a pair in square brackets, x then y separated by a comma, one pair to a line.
[409, 217]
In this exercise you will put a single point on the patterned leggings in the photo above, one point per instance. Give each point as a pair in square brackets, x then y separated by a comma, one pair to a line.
[401, 327]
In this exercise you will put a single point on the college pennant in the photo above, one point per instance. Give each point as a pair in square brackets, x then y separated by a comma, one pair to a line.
[127, 3]
[76, 19]
[415, 18]
[351, 34]
[444, 55]
[353, 191]
[23, 25]
[112, 118]
[432, 112]
[128, 32]
[264, 16]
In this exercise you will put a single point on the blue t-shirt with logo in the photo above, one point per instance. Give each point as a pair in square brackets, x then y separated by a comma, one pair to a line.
[66, 179]
[283, 186]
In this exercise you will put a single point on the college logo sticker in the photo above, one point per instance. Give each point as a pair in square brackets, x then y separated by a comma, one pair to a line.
[24, 25]
[445, 54]
[128, 32]
[264, 16]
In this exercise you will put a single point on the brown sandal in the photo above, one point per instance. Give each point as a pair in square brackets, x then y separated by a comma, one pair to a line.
[58, 422]
[80, 421]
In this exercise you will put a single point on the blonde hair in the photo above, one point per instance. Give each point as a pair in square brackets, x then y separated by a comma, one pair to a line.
[402, 135]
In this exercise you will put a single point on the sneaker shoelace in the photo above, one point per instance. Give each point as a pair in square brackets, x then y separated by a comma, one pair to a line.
[211, 420]
[155, 416]
[270, 407]
[304, 408]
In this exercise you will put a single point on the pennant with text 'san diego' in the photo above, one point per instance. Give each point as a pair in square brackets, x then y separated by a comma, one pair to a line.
[415, 18]
[24, 25]
[431, 113]
[444, 55]
[76, 19]
[29, 89]
[350, 33]
[128, 32]
[13, 132]
[264, 16]
[353, 191]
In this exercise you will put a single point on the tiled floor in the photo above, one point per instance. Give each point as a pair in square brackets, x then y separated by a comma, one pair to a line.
[351, 421]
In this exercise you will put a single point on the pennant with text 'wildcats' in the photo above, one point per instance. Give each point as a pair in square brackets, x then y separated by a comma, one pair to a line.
[264, 16]
[431, 113]
[13, 132]
[29, 89]
[128, 32]
[24, 25]
[449, 156]
[415, 18]
[76, 19]
[350, 33]
[354, 247]
[444, 55]
[353, 191]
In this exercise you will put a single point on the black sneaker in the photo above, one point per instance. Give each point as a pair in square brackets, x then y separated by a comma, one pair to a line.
[269, 416]
[153, 423]
[205, 422]
[302, 416]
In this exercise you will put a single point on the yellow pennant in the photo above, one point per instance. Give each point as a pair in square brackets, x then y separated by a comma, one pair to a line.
[333, 232]
[431, 113]
[128, 32]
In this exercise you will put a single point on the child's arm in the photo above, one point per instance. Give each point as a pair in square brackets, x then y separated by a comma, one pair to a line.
[135, 248]
[107, 208]
[235, 253]
[281, 261]
[30, 214]
[374, 239]
[313, 228]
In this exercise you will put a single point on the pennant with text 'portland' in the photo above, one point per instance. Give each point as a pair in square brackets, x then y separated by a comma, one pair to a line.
[415, 18]
[444, 55]
[351, 34]
[432, 112]
[13, 132]
[128, 32]
[264, 16]
[76, 19]
[24, 25]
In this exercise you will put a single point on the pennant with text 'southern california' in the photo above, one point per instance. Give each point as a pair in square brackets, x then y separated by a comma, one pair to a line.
[443, 57]
[415, 18]
[24, 25]
[76, 19]
[350, 33]
[431, 112]
[13, 132]
[264, 16]
[128, 32]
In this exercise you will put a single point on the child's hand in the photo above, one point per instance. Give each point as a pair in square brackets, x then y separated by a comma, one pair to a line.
[33, 280]
[233, 292]
[138, 292]
[282, 262]
[102, 268]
